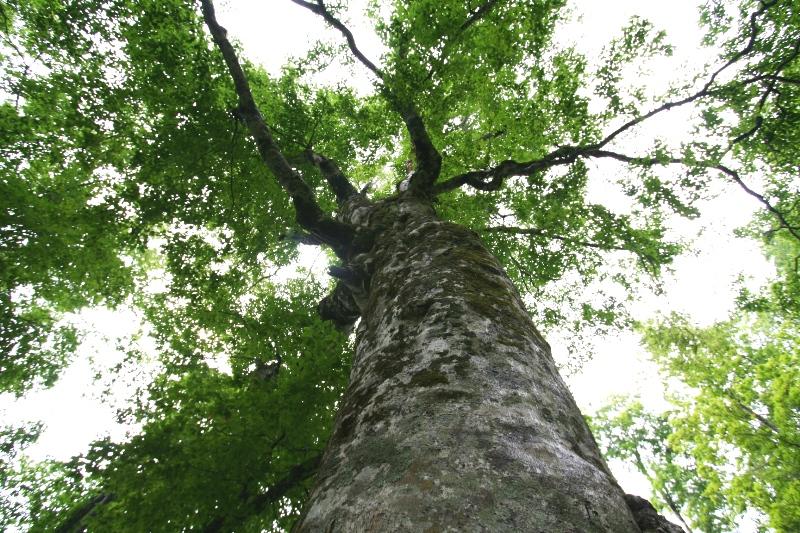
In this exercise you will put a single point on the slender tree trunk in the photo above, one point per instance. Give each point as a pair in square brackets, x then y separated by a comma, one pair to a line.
[456, 418]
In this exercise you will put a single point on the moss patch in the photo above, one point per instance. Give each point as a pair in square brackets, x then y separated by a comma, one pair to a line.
[428, 378]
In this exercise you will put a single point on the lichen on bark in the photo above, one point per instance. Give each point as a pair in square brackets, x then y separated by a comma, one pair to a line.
[455, 418]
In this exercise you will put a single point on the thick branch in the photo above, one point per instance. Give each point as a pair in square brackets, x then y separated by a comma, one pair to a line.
[782, 79]
[647, 518]
[340, 308]
[308, 212]
[428, 159]
[492, 179]
[296, 475]
[772, 80]
[337, 181]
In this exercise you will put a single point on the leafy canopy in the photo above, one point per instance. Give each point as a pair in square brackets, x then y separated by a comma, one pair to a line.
[128, 157]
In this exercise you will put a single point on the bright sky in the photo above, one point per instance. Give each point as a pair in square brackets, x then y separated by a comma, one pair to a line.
[270, 32]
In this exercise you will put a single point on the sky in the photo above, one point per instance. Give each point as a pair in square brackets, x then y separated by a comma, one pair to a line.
[272, 31]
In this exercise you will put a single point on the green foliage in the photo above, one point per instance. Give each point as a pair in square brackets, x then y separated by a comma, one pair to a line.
[626, 431]
[765, 98]
[128, 179]
[13, 441]
[746, 374]
[731, 443]
[34, 348]
[639, 39]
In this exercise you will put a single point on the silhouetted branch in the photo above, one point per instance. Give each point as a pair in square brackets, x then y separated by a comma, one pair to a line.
[319, 8]
[732, 174]
[705, 90]
[492, 179]
[749, 133]
[257, 504]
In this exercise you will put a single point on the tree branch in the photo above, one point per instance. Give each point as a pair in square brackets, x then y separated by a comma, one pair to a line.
[492, 179]
[647, 518]
[296, 474]
[340, 308]
[74, 521]
[478, 14]
[276, 491]
[706, 89]
[782, 79]
[732, 174]
[337, 181]
[308, 212]
[320, 9]
[428, 159]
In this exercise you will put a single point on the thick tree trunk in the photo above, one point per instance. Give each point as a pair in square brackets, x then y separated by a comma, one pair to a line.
[456, 418]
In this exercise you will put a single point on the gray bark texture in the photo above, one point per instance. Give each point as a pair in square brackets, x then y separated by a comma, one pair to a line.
[455, 418]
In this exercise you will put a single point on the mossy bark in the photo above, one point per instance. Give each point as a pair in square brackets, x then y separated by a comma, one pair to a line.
[456, 418]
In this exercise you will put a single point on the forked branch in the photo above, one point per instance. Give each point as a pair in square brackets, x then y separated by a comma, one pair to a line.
[705, 90]
[308, 212]
[428, 159]
[492, 179]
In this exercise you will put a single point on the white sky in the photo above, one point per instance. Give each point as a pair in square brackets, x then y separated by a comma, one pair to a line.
[271, 31]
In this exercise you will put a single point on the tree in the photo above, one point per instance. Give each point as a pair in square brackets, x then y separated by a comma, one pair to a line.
[730, 444]
[135, 145]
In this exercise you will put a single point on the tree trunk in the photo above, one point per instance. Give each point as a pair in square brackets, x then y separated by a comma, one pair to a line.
[455, 418]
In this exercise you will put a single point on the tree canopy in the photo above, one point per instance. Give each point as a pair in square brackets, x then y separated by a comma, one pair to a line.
[141, 169]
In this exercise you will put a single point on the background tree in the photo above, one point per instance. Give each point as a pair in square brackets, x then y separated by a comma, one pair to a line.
[730, 444]
[626, 431]
[127, 154]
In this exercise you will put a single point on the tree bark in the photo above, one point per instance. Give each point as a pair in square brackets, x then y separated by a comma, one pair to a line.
[455, 418]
